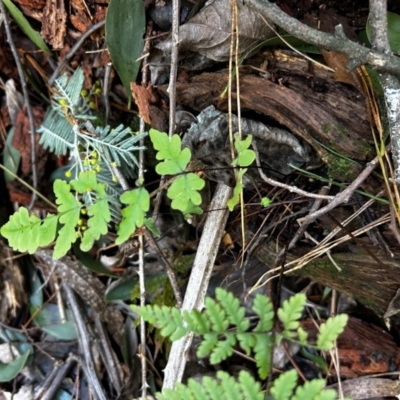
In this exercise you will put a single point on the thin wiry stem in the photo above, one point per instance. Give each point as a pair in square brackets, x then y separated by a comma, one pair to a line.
[24, 86]
[174, 65]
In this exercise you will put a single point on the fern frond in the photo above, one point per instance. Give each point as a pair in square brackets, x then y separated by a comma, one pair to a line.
[133, 215]
[69, 211]
[312, 390]
[217, 315]
[210, 340]
[283, 386]
[197, 322]
[250, 388]
[26, 232]
[69, 87]
[115, 145]
[56, 133]
[168, 319]
[99, 217]
[262, 353]
[229, 385]
[235, 313]
[330, 330]
[262, 306]
[290, 313]
[223, 349]
[184, 190]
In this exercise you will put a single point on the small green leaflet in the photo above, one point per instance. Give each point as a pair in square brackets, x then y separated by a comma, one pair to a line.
[330, 330]
[99, 217]
[245, 155]
[184, 190]
[244, 158]
[133, 216]
[176, 160]
[26, 232]
[69, 210]
[234, 200]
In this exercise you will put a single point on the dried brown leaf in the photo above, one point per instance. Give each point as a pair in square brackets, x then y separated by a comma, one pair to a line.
[209, 32]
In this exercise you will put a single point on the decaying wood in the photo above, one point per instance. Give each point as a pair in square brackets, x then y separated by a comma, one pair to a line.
[303, 97]
[373, 281]
[363, 348]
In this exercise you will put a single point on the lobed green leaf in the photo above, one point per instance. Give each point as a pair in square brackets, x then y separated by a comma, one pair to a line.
[133, 216]
[290, 313]
[283, 386]
[330, 330]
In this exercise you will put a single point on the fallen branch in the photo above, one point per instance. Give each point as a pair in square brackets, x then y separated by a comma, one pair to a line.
[357, 54]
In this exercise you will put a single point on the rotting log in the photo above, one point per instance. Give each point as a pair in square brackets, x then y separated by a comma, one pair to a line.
[304, 98]
[370, 279]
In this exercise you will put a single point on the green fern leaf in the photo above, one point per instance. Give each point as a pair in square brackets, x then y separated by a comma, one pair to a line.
[169, 150]
[27, 233]
[133, 216]
[230, 387]
[283, 386]
[210, 340]
[184, 190]
[234, 200]
[99, 217]
[246, 341]
[197, 322]
[168, 319]
[291, 312]
[262, 306]
[69, 210]
[214, 390]
[262, 350]
[302, 336]
[198, 390]
[330, 330]
[251, 389]
[245, 155]
[223, 349]
[311, 390]
[217, 315]
[235, 313]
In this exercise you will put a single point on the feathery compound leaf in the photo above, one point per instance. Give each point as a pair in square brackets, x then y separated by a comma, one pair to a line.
[168, 319]
[210, 340]
[250, 388]
[69, 210]
[283, 386]
[262, 306]
[223, 349]
[291, 312]
[27, 233]
[230, 386]
[232, 307]
[216, 314]
[262, 350]
[197, 322]
[133, 216]
[311, 390]
[99, 217]
[330, 330]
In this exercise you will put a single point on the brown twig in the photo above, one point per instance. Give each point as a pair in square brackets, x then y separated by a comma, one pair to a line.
[356, 53]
